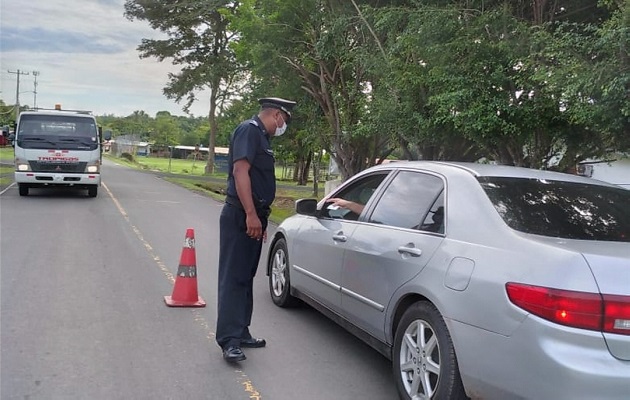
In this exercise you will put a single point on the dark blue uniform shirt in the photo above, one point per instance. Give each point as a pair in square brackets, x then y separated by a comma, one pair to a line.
[250, 141]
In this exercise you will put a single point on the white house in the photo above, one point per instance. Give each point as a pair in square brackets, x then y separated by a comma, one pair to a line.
[614, 170]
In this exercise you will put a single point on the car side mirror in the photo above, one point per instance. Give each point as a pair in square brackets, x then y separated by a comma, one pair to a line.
[306, 206]
[11, 139]
[107, 135]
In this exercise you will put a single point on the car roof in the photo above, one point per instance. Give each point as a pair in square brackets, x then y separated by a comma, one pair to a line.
[488, 170]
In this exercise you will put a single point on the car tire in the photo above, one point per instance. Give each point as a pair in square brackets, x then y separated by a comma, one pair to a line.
[424, 361]
[279, 279]
[23, 189]
[92, 191]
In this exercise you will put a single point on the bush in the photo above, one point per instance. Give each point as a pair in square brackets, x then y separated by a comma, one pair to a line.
[127, 156]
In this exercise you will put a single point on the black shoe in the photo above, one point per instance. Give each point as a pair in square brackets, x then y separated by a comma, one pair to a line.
[253, 342]
[233, 354]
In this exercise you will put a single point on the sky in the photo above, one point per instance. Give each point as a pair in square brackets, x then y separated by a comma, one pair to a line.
[85, 53]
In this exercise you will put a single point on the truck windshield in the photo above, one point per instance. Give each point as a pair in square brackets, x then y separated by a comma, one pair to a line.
[57, 132]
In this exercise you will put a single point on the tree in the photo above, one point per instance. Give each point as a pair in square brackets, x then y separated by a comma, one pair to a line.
[198, 39]
[7, 114]
[165, 130]
[488, 82]
[322, 43]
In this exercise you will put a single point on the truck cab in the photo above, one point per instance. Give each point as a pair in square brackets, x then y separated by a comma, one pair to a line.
[55, 148]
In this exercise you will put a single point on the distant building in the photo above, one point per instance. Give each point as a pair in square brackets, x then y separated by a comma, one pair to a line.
[615, 170]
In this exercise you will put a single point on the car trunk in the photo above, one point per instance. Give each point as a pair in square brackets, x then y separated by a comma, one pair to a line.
[610, 264]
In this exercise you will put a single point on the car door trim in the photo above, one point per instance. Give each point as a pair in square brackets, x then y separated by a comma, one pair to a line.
[363, 300]
[317, 278]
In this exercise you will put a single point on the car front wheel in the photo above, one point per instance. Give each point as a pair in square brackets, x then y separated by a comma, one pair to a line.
[424, 361]
[279, 280]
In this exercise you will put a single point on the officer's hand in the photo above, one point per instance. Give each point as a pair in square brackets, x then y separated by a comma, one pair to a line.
[254, 226]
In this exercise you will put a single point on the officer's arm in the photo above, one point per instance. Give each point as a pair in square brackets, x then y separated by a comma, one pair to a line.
[244, 185]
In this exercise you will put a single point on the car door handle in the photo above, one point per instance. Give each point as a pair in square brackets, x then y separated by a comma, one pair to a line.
[340, 237]
[412, 251]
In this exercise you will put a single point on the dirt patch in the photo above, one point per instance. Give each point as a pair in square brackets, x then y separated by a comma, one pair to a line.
[283, 202]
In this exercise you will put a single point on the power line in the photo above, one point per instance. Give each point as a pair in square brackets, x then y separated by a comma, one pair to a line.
[17, 91]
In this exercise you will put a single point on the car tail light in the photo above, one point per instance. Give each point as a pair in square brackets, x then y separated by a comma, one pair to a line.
[617, 314]
[607, 313]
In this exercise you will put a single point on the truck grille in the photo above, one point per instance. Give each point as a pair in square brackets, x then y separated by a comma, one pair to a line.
[37, 166]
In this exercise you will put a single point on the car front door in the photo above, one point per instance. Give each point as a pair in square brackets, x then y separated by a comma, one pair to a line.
[402, 231]
[319, 247]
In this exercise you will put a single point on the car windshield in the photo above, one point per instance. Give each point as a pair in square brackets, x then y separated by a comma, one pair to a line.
[561, 209]
[57, 131]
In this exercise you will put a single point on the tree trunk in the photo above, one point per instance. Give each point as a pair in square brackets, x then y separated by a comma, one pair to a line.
[212, 139]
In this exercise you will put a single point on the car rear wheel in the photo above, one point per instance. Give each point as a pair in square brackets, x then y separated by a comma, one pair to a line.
[424, 361]
[279, 280]
[23, 189]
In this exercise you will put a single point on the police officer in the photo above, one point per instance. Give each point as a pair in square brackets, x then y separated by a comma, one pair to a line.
[251, 188]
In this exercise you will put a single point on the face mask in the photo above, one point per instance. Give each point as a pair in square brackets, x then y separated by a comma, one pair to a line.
[280, 129]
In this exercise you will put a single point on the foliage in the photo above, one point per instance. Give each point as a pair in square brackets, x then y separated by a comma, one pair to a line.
[7, 114]
[198, 41]
[542, 84]
[454, 80]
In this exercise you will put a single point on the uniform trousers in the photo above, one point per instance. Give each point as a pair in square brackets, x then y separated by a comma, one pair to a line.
[239, 255]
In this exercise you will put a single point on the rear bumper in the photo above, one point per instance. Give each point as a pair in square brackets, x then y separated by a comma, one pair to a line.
[33, 179]
[541, 360]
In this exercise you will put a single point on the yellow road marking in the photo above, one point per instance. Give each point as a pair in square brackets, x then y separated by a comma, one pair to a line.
[247, 384]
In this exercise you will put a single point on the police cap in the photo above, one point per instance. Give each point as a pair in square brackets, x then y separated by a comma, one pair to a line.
[281, 104]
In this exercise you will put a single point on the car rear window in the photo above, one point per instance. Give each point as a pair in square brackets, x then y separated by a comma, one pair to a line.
[561, 209]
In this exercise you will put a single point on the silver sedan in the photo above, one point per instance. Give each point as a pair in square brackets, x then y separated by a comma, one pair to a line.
[477, 281]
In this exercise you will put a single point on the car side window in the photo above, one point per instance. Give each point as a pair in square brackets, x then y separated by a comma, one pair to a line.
[359, 192]
[412, 200]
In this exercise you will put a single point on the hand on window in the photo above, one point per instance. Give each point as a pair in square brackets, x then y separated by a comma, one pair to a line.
[347, 204]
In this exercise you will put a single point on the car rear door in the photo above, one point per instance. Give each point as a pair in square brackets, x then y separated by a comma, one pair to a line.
[405, 227]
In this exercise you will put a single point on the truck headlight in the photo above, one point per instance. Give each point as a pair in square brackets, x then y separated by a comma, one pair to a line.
[22, 167]
[92, 169]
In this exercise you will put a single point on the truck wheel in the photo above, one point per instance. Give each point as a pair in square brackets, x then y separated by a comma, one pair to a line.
[92, 191]
[23, 190]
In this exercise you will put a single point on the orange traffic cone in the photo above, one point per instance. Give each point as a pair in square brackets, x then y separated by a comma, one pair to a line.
[185, 289]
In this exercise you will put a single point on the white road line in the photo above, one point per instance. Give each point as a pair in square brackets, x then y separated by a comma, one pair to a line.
[7, 188]
[242, 378]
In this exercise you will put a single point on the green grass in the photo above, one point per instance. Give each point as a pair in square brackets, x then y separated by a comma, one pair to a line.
[6, 154]
[6, 175]
[174, 166]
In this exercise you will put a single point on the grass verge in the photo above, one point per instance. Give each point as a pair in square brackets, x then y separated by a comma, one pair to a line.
[6, 176]
[6, 154]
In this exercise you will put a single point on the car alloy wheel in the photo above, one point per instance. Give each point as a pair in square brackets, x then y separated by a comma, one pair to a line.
[279, 280]
[424, 362]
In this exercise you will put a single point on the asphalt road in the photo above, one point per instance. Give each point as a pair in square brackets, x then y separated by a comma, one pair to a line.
[83, 317]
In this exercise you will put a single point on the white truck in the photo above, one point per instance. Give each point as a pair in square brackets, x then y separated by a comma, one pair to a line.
[55, 148]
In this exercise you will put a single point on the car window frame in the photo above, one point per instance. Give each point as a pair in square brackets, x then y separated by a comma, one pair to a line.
[376, 198]
[352, 183]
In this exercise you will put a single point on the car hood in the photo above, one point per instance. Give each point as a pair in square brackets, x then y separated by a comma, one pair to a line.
[610, 264]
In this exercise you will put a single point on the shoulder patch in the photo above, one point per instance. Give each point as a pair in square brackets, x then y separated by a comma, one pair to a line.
[251, 121]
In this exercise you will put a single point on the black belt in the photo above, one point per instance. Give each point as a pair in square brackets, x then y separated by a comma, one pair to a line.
[260, 211]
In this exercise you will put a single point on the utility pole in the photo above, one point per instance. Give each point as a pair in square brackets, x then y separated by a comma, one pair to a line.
[35, 74]
[17, 92]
